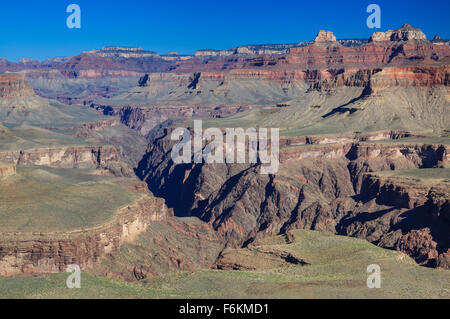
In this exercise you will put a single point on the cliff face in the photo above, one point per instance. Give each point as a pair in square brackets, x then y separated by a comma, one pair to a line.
[14, 85]
[159, 250]
[88, 65]
[36, 253]
[405, 33]
[422, 209]
[376, 80]
[369, 55]
[325, 37]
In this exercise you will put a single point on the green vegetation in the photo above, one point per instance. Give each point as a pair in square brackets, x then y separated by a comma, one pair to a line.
[54, 286]
[29, 137]
[416, 140]
[427, 175]
[37, 111]
[48, 199]
[337, 270]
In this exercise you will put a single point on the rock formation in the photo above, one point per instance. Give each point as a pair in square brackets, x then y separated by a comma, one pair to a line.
[325, 37]
[14, 85]
[405, 33]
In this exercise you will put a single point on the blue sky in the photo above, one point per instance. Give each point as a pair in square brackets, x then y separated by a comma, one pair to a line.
[37, 29]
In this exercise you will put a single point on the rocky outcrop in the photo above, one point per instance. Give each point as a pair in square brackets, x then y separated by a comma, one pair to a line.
[14, 85]
[360, 78]
[88, 65]
[370, 55]
[438, 40]
[394, 192]
[376, 80]
[366, 157]
[420, 245]
[37, 253]
[325, 37]
[405, 33]
[273, 49]
[425, 204]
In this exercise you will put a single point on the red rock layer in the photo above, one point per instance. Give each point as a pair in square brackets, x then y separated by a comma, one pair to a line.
[14, 85]
[316, 56]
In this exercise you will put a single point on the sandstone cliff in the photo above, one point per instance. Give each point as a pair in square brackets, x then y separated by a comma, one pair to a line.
[14, 85]
[325, 37]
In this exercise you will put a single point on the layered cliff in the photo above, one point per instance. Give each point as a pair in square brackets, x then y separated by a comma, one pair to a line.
[374, 80]
[36, 253]
[372, 54]
[405, 33]
[14, 85]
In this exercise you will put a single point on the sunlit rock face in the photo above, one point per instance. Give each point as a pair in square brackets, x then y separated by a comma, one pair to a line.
[14, 85]
[405, 33]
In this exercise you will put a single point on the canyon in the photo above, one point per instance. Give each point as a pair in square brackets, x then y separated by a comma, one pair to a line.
[364, 153]
[319, 186]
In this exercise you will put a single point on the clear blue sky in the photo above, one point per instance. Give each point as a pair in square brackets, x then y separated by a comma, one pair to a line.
[37, 28]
